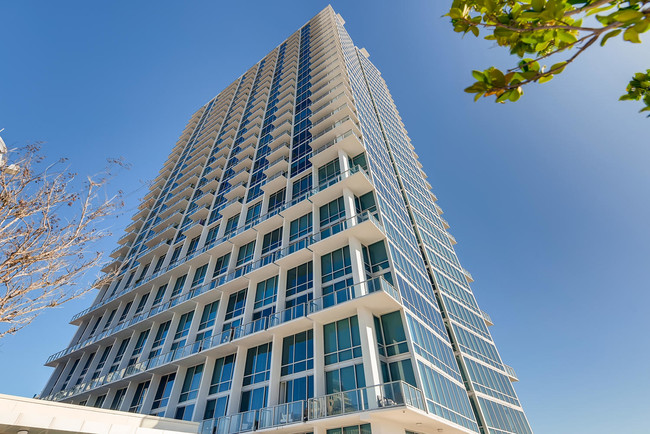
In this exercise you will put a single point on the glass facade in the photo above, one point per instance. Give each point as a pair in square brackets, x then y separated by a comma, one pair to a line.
[290, 264]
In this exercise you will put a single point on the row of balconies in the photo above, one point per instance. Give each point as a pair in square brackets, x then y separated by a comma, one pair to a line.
[376, 293]
[396, 394]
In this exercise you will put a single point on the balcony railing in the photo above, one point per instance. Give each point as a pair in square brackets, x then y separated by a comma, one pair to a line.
[260, 219]
[380, 396]
[329, 300]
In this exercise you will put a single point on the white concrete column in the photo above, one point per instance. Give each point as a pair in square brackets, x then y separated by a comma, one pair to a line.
[344, 162]
[237, 380]
[319, 360]
[204, 388]
[176, 391]
[317, 273]
[281, 292]
[151, 394]
[358, 268]
[276, 364]
[369, 351]
[149, 341]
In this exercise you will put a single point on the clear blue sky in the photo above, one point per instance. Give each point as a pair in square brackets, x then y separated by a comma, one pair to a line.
[548, 198]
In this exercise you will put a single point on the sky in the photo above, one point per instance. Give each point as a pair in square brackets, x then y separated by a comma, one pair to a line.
[548, 198]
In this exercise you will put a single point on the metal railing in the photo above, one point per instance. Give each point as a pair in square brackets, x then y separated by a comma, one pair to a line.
[387, 395]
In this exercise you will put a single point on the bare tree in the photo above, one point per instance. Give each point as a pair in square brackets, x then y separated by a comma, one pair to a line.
[47, 227]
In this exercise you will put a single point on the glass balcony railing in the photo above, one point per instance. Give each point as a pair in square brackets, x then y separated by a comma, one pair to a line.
[239, 332]
[330, 182]
[387, 395]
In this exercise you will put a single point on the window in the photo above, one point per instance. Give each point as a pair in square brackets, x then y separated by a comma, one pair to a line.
[199, 275]
[178, 286]
[258, 364]
[110, 319]
[84, 371]
[276, 200]
[221, 265]
[141, 304]
[332, 212]
[191, 383]
[301, 186]
[342, 340]
[128, 281]
[207, 320]
[300, 279]
[231, 225]
[402, 370]
[272, 241]
[297, 353]
[161, 398]
[266, 292]
[391, 338]
[67, 379]
[182, 330]
[359, 160]
[297, 389]
[99, 402]
[138, 397]
[216, 408]
[235, 308]
[117, 399]
[253, 399]
[344, 379]
[253, 212]
[328, 171]
[375, 258]
[245, 253]
[212, 235]
[159, 263]
[139, 344]
[159, 340]
[159, 295]
[102, 362]
[175, 255]
[222, 374]
[300, 227]
[354, 429]
[142, 274]
[193, 245]
[336, 264]
[184, 412]
[125, 312]
[119, 355]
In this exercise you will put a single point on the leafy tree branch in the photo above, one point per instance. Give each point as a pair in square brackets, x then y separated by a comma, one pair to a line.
[536, 30]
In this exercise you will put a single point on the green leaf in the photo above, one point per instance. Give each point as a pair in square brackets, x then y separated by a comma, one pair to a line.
[558, 67]
[546, 78]
[566, 37]
[478, 75]
[538, 5]
[474, 30]
[632, 36]
[627, 15]
[455, 13]
[503, 97]
[609, 35]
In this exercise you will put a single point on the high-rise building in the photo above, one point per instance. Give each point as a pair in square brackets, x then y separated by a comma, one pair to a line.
[289, 270]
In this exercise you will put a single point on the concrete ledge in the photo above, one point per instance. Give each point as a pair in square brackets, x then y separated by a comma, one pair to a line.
[38, 417]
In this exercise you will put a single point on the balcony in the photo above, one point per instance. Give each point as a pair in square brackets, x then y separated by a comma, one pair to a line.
[487, 319]
[281, 163]
[275, 182]
[395, 395]
[348, 141]
[376, 294]
[278, 150]
[512, 375]
[468, 276]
